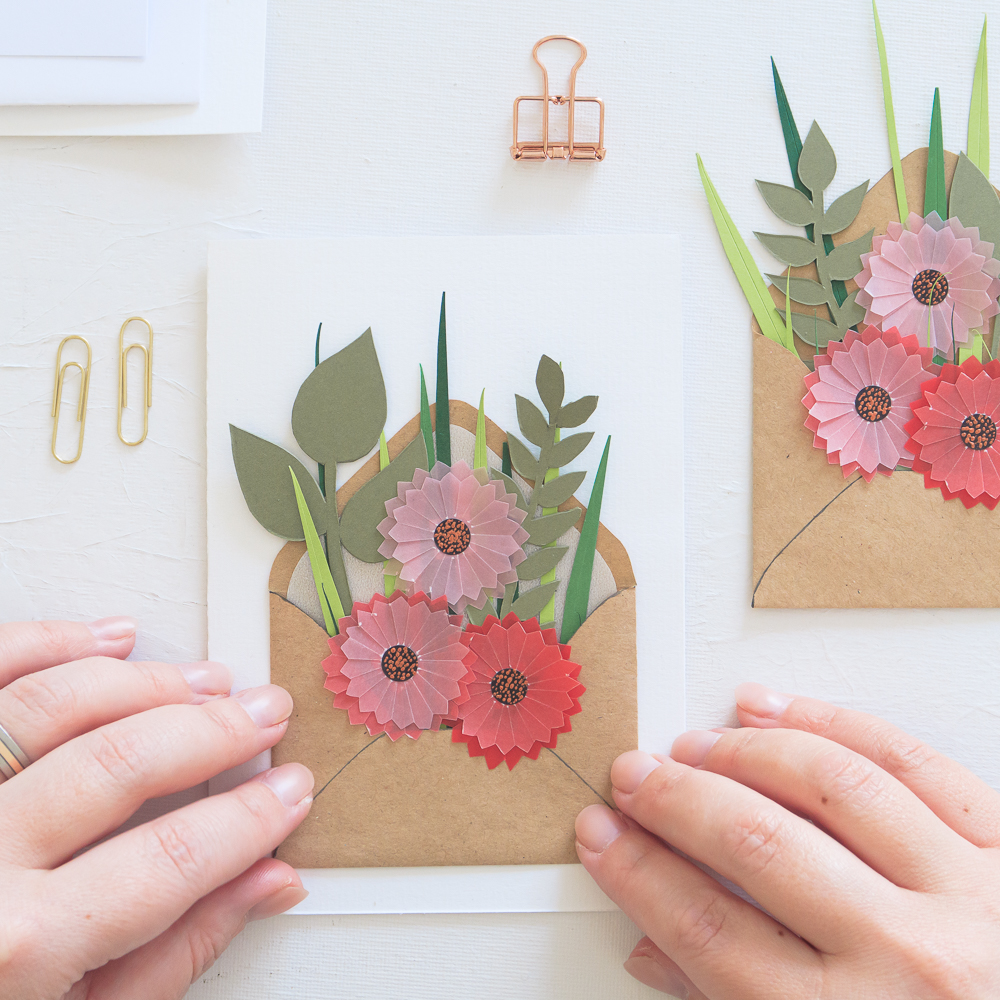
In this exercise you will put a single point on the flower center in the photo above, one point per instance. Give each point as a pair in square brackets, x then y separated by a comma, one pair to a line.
[452, 536]
[930, 287]
[873, 403]
[978, 432]
[509, 686]
[399, 663]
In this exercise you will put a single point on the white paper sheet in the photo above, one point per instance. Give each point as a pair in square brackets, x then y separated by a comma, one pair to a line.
[73, 28]
[607, 307]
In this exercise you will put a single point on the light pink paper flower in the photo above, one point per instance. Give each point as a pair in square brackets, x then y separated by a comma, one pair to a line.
[399, 665]
[860, 398]
[453, 533]
[929, 277]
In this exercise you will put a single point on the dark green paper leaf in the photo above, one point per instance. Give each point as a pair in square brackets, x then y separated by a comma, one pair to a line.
[442, 424]
[560, 489]
[974, 202]
[787, 203]
[541, 562]
[844, 210]
[522, 459]
[790, 131]
[565, 451]
[817, 164]
[531, 604]
[794, 250]
[576, 413]
[533, 424]
[550, 384]
[844, 262]
[511, 487]
[804, 290]
[935, 192]
[543, 530]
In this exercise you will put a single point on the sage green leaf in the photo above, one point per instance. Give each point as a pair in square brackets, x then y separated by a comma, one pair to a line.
[787, 203]
[531, 604]
[844, 262]
[817, 164]
[365, 510]
[262, 469]
[542, 530]
[794, 250]
[550, 384]
[478, 615]
[935, 192]
[850, 312]
[576, 413]
[844, 210]
[522, 459]
[533, 424]
[541, 562]
[974, 202]
[565, 451]
[340, 409]
[511, 487]
[814, 330]
[804, 290]
[560, 489]
[979, 111]
[426, 430]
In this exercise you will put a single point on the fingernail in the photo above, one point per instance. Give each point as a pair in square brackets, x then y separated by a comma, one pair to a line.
[630, 770]
[207, 677]
[692, 748]
[650, 973]
[278, 902]
[112, 629]
[597, 826]
[761, 701]
[291, 783]
[267, 705]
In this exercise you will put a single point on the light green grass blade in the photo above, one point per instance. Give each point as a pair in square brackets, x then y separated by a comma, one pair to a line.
[890, 122]
[979, 111]
[425, 420]
[389, 579]
[479, 453]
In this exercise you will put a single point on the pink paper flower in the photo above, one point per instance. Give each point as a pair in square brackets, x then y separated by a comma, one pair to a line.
[860, 398]
[928, 278]
[953, 433]
[399, 665]
[453, 533]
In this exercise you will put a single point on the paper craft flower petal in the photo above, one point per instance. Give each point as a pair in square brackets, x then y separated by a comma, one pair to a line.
[859, 399]
[933, 280]
[454, 534]
[522, 694]
[399, 665]
[953, 433]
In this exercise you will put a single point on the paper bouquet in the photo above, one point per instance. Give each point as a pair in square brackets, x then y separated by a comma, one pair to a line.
[876, 377]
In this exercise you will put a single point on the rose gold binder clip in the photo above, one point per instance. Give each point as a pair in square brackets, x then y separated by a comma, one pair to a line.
[559, 149]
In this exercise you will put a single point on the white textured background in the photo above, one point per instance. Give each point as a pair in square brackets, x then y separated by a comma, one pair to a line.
[393, 118]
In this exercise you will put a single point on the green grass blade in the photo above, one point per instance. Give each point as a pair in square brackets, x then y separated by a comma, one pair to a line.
[322, 469]
[979, 111]
[935, 193]
[479, 453]
[425, 420]
[389, 579]
[443, 423]
[745, 267]
[329, 599]
[890, 122]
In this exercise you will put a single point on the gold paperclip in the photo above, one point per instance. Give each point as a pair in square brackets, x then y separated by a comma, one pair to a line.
[568, 149]
[147, 356]
[81, 407]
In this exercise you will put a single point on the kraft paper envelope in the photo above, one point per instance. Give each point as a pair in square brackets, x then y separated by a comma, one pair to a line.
[823, 541]
[426, 801]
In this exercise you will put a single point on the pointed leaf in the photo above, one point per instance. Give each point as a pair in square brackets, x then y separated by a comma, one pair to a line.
[541, 562]
[576, 413]
[442, 425]
[804, 290]
[844, 262]
[890, 122]
[979, 111]
[974, 202]
[814, 330]
[511, 487]
[844, 210]
[533, 424]
[564, 452]
[935, 192]
[262, 469]
[426, 430]
[530, 605]
[478, 615]
[850, 312]
[790, 131]
[787, 203]
[817, 164]
[793, 250]
[560, 489]
[550, 384]
[326, 589]
[543, 530]
[522, 459]
[479, 452]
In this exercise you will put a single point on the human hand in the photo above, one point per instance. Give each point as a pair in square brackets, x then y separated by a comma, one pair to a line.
[145, 913]
[893, 893]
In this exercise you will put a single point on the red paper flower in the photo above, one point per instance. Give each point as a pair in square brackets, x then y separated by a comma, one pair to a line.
[953, 433]
[399, 665]
[524, 691]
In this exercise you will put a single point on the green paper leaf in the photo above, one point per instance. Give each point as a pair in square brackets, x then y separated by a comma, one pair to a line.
[365, 510]
[522, 459]
[935, 192]
[578, 589]
[550, 384]
[787, 203]
[564, 452]
[442, 425]
[533, 425]
[511, 486]
[543, 561]
[262, 469]
[890, 122]
[979, 111]
[850, 312]
[817, 163]
[340, 409]
[478, 615]
[974, 350]
[543, 530]
[793, 250]
[560, 489]
[531, 604]
[479, 452]
[844, 262]
[505, 467]
[804, 290]
[329, 599]
[426, 430]
[974, 202]
[576, 413]
[743, 265]
[790, 131]
[388, 579]
[844, 210]
[813, 330]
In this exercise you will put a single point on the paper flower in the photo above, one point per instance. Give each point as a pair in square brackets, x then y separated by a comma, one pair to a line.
[928, 278]
[399, 665]
[524, 691]
[860, 396]
[953, 433]
[453, 533]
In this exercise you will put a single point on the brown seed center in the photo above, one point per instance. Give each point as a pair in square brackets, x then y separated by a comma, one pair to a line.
[509, 686]
[873, 403]
[930, 287]
[399, 663]
[452, 536]
[978, 432]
